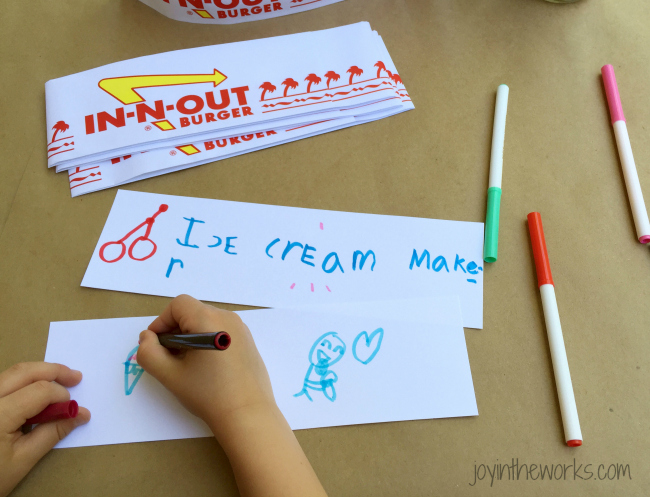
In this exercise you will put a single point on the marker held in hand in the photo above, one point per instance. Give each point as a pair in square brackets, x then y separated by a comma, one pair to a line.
[54, 412]
[202, 341]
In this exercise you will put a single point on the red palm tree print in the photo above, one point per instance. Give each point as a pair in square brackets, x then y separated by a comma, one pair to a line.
[59, 126]
[289, 83]
[395, 77]
[380, 67]
[331, 76]
[354, 71]
[313, 79]
[267, 87]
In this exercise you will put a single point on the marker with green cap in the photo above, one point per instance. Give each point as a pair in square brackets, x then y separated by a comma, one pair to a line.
[491, 246]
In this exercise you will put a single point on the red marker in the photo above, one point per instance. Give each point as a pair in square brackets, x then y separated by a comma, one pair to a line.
[54, 412]
[572, 432]
[205, 341]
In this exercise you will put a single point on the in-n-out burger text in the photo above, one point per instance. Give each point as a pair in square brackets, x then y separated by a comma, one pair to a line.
[188, 105]
[249, 7]
[209, 145]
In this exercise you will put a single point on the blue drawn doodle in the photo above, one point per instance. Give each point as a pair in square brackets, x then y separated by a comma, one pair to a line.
[326, 351]
[368, 342]
[132, 370]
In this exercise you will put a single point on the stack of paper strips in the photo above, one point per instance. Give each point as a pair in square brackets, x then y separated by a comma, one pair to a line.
[194, 106]
[231, 11]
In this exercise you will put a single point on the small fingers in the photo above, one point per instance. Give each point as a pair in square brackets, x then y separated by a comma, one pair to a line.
[27, 402]
[177, 313]
[154, 358]
[32, 447]
[23, 374]
[189, 315]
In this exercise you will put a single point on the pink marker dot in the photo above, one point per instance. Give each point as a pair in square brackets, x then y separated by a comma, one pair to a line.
[312, 287]
[292, 286]
[321, 225]
[328, 289]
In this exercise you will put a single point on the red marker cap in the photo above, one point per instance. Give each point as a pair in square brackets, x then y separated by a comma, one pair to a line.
[538, 242]
[222, 340]
[54, 412]
[574, 443]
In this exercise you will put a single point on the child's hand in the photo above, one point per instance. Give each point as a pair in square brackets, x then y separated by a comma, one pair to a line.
[231, 392]
[25, 390]
[213, 385]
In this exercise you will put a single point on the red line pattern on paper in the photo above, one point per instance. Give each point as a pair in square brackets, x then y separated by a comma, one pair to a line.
[303, 4]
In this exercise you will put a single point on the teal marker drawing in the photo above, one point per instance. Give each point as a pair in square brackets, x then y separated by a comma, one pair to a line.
[132, 371]
[491, 247]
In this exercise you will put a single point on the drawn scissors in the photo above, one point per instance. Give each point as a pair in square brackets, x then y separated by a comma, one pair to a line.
[145, 238]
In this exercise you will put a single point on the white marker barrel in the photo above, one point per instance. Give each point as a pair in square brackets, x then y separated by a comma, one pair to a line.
[498, 136]
[632, 184]
[560, 365]
[554, 332]
[639, 212]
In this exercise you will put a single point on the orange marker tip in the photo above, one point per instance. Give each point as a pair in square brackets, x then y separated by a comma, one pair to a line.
[574, 443]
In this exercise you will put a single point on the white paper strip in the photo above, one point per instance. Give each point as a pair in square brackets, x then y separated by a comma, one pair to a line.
[272, 256]
[129, 168]
[406, 371]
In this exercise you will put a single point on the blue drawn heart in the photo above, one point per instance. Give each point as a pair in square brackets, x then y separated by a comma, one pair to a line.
[368, 346]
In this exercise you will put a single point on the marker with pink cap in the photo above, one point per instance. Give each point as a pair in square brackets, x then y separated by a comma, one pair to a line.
[630, 174]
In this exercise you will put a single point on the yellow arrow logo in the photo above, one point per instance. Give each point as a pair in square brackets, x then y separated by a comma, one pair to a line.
[123, 88]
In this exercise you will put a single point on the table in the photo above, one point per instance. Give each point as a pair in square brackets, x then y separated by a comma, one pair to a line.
[560, 159]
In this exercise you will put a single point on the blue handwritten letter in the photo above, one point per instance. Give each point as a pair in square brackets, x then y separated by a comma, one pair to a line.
[268, 247]
[458, 263]
[189, 232]
[358, 253]
[305, 255]
[288, 248]
[229, 245]
[438, 263]
[171, 266]
[418, 260]
[216, 244]
[336, 264]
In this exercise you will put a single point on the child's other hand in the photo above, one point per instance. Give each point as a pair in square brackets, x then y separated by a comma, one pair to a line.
[25, 390]
[215, 386]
